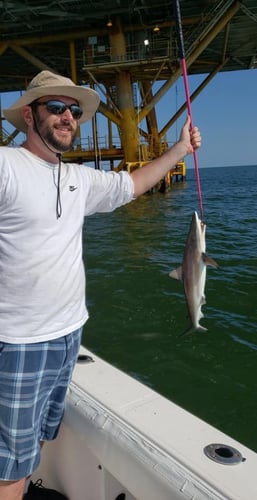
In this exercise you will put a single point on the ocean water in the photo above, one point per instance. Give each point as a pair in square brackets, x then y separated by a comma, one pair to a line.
[137, 312]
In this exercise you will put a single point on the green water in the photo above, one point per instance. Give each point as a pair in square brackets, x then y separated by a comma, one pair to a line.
[137, 312]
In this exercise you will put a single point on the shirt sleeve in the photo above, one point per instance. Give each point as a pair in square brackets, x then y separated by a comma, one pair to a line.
[4, 177]
[107, 191]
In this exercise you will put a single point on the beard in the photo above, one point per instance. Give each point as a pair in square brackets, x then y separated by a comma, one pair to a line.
[58, 144]
[46, 134]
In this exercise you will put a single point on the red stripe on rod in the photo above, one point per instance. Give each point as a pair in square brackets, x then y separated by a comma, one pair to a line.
[176, 8]
[189, 108]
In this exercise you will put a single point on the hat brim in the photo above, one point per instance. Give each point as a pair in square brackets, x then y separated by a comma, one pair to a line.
[87, 98]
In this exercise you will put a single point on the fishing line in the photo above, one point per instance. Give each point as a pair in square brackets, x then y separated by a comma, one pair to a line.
[176, 8]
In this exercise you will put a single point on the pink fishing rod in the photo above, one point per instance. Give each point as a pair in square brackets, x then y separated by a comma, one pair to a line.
[176, 8]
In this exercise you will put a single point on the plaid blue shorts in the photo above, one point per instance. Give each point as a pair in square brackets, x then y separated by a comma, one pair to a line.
[33, 383]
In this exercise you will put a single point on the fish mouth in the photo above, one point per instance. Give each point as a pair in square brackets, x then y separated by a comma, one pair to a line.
[202, 226]
[199, 223]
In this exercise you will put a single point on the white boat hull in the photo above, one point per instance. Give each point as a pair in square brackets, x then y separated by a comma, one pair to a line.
[120, 440]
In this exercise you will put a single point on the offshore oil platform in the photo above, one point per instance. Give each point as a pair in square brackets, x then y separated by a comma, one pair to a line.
[128, 52]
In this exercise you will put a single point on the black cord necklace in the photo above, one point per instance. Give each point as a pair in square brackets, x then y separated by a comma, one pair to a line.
[59, 156]
[58, 187]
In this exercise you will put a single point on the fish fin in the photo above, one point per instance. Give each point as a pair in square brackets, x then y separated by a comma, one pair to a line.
[209, 261]
[203, 300]
[176, 273]
[201, 328]
[193, 329]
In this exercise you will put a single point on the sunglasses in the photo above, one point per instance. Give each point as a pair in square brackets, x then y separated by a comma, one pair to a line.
[58, 108]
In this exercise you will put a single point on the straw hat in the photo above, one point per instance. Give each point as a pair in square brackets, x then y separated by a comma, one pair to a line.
[47, 83]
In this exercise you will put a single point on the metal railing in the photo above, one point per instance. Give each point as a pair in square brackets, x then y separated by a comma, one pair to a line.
[104, 54]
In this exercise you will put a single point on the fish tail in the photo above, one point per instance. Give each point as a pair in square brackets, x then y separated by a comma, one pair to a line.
[193, 329]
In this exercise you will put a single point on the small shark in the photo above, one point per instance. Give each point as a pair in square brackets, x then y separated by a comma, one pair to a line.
[192, 272]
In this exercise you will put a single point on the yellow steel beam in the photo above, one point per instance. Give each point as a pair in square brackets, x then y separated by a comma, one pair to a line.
[75, 35]
[73, 68]
[199, 89]
[103, 108]
[225, 41]
[10, 138]
[128, 122]
[151, 119]
[3, 47]
[192, 57]
[106, 94]
[214, 32]
[29, 57]
[73, 65]
[124, 115]
[161, 92]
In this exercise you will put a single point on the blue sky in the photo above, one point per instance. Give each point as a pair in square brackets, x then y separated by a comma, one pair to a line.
[225, 112]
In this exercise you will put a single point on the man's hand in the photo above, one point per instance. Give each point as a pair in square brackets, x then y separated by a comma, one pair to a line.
[190, 138]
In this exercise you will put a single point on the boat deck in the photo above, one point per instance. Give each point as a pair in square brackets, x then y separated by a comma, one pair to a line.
[120, 440]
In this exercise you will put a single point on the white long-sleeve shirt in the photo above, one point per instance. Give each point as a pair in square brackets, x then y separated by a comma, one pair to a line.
[42, 279]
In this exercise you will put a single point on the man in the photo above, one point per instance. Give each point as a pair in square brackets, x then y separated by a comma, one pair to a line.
[43, 203]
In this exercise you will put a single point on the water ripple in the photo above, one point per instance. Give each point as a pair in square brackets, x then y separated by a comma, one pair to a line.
[137, 312]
